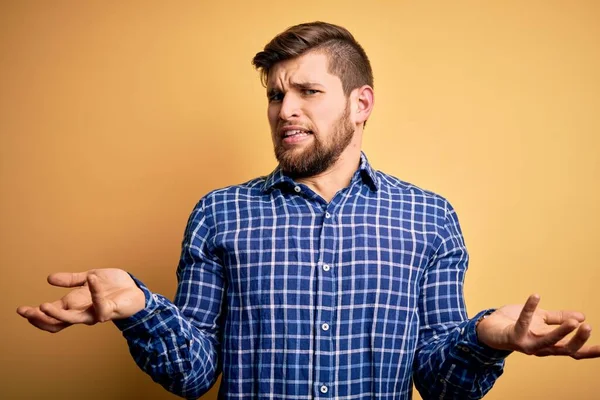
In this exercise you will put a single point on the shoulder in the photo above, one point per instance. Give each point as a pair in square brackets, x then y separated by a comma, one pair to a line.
[230, 197]
[398, 188]
[420, 203]
[249, 189]
[224, 203]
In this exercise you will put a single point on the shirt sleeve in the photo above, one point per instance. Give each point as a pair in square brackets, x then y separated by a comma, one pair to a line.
[178, 343]
[450, 362]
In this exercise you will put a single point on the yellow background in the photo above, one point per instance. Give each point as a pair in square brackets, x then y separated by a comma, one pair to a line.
[116, 117]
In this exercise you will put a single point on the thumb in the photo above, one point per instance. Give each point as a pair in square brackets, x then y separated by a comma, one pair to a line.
[526, 315]
[103, 307]
[67, 279]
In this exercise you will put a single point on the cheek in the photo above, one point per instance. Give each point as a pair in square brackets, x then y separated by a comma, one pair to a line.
[323, 121]
[272, 115]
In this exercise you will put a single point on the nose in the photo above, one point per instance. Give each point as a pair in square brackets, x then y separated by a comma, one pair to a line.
[290, 107]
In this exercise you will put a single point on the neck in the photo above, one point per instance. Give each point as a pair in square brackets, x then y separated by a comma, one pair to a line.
[336, 177]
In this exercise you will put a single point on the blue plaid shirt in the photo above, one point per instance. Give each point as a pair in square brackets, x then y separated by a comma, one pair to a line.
[291, 297]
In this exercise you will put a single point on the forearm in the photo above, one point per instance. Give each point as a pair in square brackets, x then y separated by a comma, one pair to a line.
[457, 366]
[165, 345]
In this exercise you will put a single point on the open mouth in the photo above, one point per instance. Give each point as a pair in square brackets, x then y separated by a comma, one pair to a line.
[296, 133]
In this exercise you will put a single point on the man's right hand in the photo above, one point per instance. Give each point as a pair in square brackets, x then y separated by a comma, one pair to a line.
[100, 295]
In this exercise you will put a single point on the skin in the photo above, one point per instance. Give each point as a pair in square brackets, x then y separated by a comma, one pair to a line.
[302, 93]
[321, 107]
[98, 296]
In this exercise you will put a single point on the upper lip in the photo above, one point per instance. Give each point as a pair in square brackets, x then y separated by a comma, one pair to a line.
[283, 130]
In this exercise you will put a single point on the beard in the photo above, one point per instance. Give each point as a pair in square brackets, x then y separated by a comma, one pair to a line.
[321, 154]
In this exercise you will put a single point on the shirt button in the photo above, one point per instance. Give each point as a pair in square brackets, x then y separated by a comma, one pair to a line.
[297, 189]
[325, 327]
[326, 267]
[327, 215]
[324, 389]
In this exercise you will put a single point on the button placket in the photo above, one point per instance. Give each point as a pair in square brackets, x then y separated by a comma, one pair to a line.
[326, 295]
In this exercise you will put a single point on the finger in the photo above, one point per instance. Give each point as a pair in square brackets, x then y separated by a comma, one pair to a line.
[23, 310]
[565, 341]
[554, 337]
[587, 352]
[67, 279]
[583, 353]
[558, 317]
[578, 340]
[40, 320]
[103, 308]
[68, 316]
[27, 311]
[522, 324]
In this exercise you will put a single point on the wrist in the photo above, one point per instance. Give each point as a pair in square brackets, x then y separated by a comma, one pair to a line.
[139, 302]
[478, 328]
[475, 340]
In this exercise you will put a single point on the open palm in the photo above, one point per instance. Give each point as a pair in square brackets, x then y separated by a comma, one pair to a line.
[531, 330]
[98, 296]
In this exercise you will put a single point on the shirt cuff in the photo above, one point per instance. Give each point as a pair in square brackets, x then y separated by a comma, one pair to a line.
[469, 347]
[150, 310]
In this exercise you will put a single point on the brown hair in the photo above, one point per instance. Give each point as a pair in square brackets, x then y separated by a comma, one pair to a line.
[347, 59]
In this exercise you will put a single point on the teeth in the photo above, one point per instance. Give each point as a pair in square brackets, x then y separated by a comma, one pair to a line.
[294, 132]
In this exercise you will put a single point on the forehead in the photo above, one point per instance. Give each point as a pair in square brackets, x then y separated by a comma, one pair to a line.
[309, 67]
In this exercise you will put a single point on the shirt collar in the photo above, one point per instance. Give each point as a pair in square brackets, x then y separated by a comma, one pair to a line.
[365, 172]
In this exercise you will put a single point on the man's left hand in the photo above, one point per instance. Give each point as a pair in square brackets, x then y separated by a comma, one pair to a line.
[534, 331]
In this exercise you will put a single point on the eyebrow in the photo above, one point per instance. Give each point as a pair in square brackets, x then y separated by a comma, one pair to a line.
[295, 85]
[303, 85]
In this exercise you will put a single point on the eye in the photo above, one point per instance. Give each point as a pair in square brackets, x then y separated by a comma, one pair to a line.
[277, 96]
[309, 92]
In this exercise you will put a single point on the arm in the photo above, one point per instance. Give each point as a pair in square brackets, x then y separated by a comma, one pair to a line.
[458, 358]
[177, 344]
[450, 363]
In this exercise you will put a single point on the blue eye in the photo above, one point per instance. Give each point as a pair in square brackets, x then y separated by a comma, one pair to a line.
[309, 92]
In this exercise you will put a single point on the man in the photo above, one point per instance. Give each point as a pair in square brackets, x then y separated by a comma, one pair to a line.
[325, 279]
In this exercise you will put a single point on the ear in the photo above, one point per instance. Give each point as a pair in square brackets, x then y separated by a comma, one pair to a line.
[362, 102]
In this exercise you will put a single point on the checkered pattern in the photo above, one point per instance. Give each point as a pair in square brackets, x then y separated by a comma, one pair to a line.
[291, 297]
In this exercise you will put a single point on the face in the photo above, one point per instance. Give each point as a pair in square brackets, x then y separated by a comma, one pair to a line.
[309, 115]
